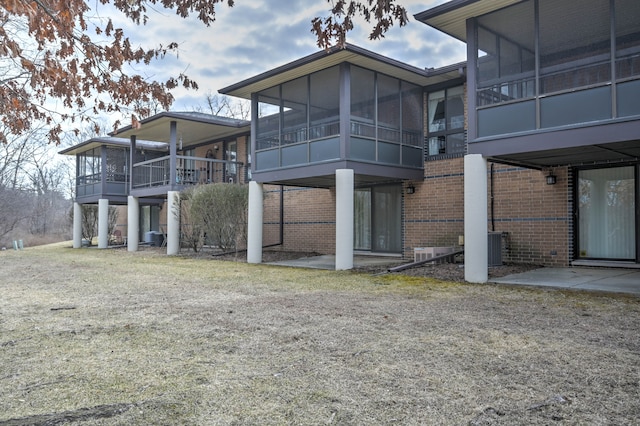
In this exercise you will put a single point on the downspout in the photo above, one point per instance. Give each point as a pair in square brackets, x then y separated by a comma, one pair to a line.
[493, 221]
[281, 215]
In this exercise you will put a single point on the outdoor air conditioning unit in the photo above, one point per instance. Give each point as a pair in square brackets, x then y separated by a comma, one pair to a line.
[424, 253]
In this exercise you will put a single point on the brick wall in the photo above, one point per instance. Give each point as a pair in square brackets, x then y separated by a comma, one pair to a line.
[309, 218]
[434, 214]
[536, 216]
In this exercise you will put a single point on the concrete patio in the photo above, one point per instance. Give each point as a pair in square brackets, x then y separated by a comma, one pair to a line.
[614, 280]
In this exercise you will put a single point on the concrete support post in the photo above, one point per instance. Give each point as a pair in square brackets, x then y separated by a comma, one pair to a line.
[77, 225]
[254, 223]
[173, 222]
[133, 223]
[344, 219]
[103, 223]
[476, 257]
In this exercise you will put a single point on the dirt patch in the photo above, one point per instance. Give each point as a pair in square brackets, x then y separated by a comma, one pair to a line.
[108, 337]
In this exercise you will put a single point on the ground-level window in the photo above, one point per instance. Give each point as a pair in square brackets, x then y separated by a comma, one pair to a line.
[606, 201]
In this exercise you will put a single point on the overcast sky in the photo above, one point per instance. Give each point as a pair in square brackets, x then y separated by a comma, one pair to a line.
[257, 35]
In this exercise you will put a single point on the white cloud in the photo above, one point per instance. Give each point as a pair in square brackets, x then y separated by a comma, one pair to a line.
[257, 35]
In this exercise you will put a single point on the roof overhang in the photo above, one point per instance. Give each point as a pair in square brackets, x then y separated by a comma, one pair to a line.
[610, 143]
[113, 142]
[323, 175]
[451, 17]
[192, 128]
[334, 56]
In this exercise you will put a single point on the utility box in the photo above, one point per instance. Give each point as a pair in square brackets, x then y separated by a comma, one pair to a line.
[495, 249]
[425, 253]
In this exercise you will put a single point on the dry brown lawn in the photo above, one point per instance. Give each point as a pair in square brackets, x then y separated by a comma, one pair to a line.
[108, 337]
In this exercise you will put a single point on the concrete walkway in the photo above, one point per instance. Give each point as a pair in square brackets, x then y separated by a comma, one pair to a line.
[594, 279]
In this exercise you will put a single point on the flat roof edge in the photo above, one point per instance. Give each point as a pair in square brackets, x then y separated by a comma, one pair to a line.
[350, 48]
[442, 9]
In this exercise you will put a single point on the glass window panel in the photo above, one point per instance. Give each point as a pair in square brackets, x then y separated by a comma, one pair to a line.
[412, 156]
[436, 111]
[455, 108]
[387, 219]
[577, 107]
[362, 219]
[389, 106]
[627, 38]
[506, 56]
[294, 98]
[628, 98]
[362, 149]
[606, 210]
[487, 56]
[268, 126]
[388, 153]
[508, 118]
[326, 149]
[362, 94]
[412, 114]
[574, 44]
[437, 145]
[325, 103]
[455, 143]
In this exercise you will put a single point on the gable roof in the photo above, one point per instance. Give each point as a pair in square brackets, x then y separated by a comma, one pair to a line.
[334, 56]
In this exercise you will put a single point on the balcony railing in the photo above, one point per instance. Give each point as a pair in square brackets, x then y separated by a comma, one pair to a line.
[189, 171]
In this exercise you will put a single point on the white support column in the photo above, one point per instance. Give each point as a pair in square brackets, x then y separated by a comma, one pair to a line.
[103, 223]
[344, 219]
[254, 223]
[77, 225]
[173, 222]
[476, 257]
[133, 223]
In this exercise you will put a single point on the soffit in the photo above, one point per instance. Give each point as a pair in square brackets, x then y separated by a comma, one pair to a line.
[110, 142]
[329, 181]
[576, 156]
[451, 17]
[326, 59]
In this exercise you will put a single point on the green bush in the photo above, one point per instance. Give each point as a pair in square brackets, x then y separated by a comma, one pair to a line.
[215, 213]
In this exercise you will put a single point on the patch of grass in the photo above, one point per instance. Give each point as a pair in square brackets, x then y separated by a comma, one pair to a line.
[171, 340]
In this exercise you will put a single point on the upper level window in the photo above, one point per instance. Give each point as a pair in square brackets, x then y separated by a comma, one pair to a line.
[446, 122]
[506, 55]
[627, 39]
[89, 166]
[575, 45]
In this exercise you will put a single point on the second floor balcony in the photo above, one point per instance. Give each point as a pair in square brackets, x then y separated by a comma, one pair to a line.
[157, 174]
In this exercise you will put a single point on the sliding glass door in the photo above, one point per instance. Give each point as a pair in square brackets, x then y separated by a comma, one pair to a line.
[606, 200]
[378, 220]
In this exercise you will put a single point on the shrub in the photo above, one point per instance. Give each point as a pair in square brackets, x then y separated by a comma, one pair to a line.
[217, 214]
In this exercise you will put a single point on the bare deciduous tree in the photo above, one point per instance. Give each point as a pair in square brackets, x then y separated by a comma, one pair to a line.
[59, 51]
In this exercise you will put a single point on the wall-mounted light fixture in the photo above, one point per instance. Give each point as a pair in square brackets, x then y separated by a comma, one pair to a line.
[411, 189]
[551, 178]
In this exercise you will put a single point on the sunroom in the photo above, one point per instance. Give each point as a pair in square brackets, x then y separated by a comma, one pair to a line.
[345, 119]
